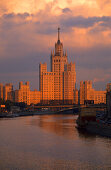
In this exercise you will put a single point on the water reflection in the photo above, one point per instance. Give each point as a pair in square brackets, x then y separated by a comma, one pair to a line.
[65, 126]
[62, 125]
[51, 142]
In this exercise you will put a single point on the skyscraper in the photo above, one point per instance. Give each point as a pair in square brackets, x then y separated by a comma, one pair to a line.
[59, 84]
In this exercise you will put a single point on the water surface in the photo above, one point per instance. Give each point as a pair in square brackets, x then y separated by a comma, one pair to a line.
[51, 142]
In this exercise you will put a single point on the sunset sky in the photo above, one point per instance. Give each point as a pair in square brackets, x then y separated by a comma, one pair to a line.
[28, 32]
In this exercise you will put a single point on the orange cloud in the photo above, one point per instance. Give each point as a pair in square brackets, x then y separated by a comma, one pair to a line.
[80, 7]
[29, 28]
[21, 6]
[104, 6]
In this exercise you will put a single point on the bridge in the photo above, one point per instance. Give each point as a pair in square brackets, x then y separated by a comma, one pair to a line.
[71, 108]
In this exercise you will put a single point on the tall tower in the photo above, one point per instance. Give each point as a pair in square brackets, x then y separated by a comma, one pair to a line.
[58, 63]
[59, 84]
[58, 60]
[58, 46]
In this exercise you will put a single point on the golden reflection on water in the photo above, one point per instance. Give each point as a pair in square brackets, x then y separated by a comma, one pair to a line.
[62, 125]
[51, 142]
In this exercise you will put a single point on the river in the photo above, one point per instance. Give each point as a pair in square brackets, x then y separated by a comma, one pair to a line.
[51, 142]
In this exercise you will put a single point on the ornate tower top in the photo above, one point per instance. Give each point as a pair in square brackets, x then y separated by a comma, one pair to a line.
[58, 35]
[58, 46]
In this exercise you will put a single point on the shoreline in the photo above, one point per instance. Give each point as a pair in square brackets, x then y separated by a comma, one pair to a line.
[95, 128]
[34, 113]
[23, 114]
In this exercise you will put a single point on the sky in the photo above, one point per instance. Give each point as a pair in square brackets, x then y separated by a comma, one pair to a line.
[28, 32]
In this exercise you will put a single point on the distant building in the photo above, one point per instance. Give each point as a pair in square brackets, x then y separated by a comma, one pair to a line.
[108, 99]
[76, 94]
[1, 90]
[8, 93]
[59, 84]
[24, 94]
[90, 95]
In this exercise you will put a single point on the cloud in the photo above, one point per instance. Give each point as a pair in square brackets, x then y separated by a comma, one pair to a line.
[104, 3]
[99, 77]
[16, 77]
[21, 6]
[66, 10]
[27, 38]
[80, 7]
[82, 22]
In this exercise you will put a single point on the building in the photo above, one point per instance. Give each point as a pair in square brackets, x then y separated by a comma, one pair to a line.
[76, 95]
[58, 85]
[24, 94]
[89, 95]
[8, 93]
[99, 97]
[1, 90]
[46, 84]
[108, 99]
[35, 97]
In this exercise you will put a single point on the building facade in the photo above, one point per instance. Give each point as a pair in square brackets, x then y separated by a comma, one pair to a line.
[58, 85]
[35, 97]
[24, 94]
[8, 93]
[1, 90]
[88, 94]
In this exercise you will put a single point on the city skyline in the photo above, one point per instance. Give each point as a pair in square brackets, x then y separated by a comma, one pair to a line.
[55, 86]
[27, 37]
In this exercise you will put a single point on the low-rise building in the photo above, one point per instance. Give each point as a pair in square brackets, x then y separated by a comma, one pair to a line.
[1, 91]
[8, 93]
[88, 93]
[24, 94]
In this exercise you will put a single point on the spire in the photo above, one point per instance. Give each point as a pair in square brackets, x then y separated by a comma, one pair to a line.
[66, 53]
[58, 35]
[58, 46]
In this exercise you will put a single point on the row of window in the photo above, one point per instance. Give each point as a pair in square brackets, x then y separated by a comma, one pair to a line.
[59, 60]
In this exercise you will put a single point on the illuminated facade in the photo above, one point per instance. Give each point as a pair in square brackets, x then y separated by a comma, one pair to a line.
[25, 95]
[1, 90]
[87, 93]
[8, 93]
[59, 84]
[34, 97]
[76, 94]
[46, 83]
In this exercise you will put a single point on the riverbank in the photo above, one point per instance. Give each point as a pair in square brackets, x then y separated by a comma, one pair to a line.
[97, 129]
[28, 113]
[33, 113]
[94, 121]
